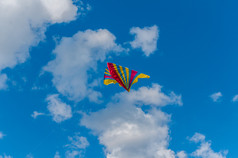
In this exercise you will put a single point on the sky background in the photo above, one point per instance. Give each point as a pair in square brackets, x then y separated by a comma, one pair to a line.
[53, 55]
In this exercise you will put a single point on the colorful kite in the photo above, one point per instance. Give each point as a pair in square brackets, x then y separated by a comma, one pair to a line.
[121, 75]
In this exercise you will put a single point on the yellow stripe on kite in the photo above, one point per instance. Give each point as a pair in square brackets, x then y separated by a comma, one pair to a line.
[122, 72]
[107, 73]
[127, 76]
[115, 67]
[139, 76]
[109, 81]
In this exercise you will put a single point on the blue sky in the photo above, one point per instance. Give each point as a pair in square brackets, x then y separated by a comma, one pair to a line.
[53, 103]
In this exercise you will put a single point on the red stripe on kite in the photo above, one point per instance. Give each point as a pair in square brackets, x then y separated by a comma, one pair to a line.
[115, 75]
[133, 74]
[105, 76]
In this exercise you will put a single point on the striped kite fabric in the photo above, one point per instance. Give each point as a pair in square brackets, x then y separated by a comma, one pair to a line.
[121, 75]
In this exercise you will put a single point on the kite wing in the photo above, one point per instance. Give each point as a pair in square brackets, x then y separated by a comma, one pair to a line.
[122, 75]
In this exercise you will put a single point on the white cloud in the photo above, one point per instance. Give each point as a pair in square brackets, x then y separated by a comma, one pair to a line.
[36, 114]
[75, 56]
[216, 96]
[165, 153]
[235, 98]
[150, 96]
[76, 146]
[204, 150]
[145, 38]
[59, 110]
[1, 135]
[126, 131]
[94, 96]
[60, 11]
[3, 80]
[78, 142]
[73, 154]
[197, 137]
[181, 154]
[23, 24]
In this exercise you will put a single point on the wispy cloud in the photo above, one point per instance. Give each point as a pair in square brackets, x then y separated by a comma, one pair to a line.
[197, 137]
[35, 114]
[5, 156]
[58, 109]
[57, 155]
[205, 150]
[77, 145]
[216, 96]
[145, 38]
[29, 156]
[2, 135]
[235, 98]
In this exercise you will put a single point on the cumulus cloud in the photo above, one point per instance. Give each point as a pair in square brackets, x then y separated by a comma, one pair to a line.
[150, 96]
[181, 154]
[23, 24]
[235, 98]
[127, 131]
[36, 114]
[76, 146]
[205, 150]
[216, 96]
[75, 57]
[165, 153]
[59, 110]
[145, 39]
[3, 81]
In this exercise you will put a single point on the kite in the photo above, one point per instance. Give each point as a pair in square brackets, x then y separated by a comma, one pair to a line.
[121, 75]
